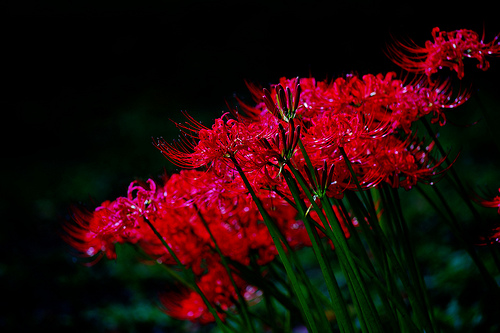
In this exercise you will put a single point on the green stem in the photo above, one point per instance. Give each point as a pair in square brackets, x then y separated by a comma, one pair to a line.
[189, 273]
[361, 290]
[308, 163]
[353, 278]
[462, 191]
[386, 227]
[281, 251]
[266, 286]
[418, 307]
[362, 301]
[337, 300]
[409, 253]
[455, 228]
[242, 301]
[457, 183]
[380, 257]
[400, 307]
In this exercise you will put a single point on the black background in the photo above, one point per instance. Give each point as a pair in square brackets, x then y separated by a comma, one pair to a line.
[86, 85]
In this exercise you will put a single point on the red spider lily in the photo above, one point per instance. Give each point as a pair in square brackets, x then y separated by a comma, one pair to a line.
[181, 211]
[236, 223]
[113, 222]
[349, 112]
[285, 98]
[121, 221]
[176, 210]
[213, 148]
[355, 113]
[404, 163]
[83, 236]
[418, 100]
[351, 133]
[447, 50]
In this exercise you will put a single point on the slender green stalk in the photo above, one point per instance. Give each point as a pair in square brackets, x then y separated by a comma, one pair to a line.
[455, 228]
[462, 191]
[413, 267]
[457, 183]
[371, 215]
[399, 305]
[190, 274]
[361, 290]
[337, 300]
[308, 163]
[287, 322]
[281, 251]
[362, 300]
[348, 267]
[266, 286]
[317, 297]
[318, 301]
[386, 227]
[329, 232]
[242, 301]
[418, 307]
[380, 258]
[372, 234]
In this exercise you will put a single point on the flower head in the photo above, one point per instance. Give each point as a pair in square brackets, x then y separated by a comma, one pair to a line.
[214, 148]
[404, 163]
[447, 50]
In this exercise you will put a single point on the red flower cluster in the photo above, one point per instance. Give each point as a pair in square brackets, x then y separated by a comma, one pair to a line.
[179, 210]
[353, 131]
[363, 116]
[447, 50]
[369, 118]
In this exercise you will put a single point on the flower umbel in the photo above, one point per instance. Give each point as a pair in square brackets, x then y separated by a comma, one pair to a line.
[213, 148]
[447, 50]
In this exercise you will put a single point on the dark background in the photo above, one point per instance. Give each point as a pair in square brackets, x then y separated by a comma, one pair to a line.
[86, 86]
